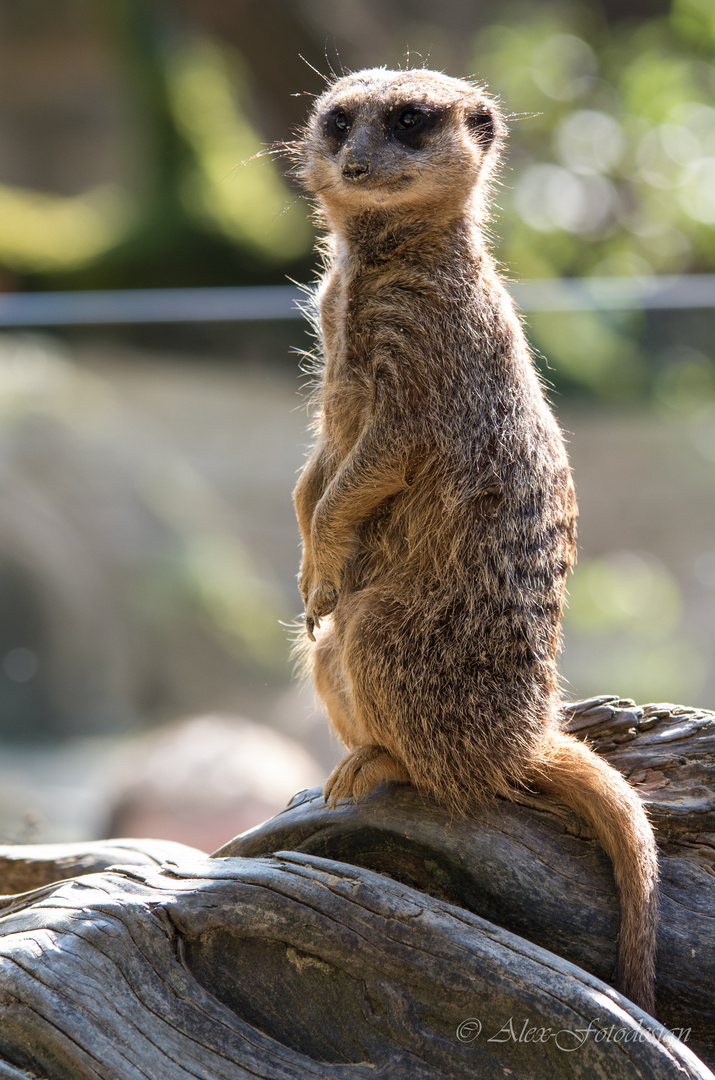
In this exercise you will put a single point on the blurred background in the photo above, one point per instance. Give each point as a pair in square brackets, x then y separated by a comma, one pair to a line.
[148, 549]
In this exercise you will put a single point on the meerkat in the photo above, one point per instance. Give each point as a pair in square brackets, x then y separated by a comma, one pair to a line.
[437, 508]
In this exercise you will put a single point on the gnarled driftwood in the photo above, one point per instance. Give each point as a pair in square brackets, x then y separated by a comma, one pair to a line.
[364, 941]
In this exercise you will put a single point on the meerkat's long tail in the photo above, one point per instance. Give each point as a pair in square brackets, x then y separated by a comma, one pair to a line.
[575, 775]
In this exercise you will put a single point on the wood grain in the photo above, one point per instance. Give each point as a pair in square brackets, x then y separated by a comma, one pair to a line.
[381, 939]
[294, 966]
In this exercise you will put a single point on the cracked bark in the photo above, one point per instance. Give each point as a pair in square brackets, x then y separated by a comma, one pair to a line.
[383, 939]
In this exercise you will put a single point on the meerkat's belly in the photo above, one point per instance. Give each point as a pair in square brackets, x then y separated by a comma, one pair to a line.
[493, 559]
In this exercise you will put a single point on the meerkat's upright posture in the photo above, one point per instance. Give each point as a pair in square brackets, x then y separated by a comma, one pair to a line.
[437, 509]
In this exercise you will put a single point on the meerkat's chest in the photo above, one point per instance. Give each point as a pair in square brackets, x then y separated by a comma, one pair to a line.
[348, 384]
[347, 405]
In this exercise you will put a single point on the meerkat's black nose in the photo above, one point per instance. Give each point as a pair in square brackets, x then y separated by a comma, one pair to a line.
[355, 170]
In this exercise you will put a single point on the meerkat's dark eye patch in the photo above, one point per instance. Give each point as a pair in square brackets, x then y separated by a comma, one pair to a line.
[481, 126]
[336, 126]
[410, 124]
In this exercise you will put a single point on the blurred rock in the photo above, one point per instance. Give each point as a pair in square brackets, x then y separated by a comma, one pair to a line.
[127, 589]
[204, 780]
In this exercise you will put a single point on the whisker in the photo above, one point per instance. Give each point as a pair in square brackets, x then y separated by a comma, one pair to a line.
[327, 60]
[325, 78]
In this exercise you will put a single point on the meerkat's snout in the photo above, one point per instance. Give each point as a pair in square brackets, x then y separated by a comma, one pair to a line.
[356, 154]
[355, 169]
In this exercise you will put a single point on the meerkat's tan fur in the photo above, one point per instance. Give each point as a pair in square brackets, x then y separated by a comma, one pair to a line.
[437, 508]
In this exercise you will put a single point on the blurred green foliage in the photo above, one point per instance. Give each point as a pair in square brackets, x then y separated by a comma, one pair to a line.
[610, 171]
[209, 575]
[235, 184]
[121, 560]
[612, 162]
[211, 207]
[624, 628]
[611, 166]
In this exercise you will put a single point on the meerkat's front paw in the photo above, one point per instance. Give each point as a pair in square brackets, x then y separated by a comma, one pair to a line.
[305, 578]
[360, 772]
[321, 602]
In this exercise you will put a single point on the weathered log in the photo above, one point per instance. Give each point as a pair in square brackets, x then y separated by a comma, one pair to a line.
[29, 866]
[299, 964]
[537, 872]
[291, 967]
[536, 869]
[666, 751]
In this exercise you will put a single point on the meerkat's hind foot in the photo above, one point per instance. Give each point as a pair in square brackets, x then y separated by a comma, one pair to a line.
[360, 771]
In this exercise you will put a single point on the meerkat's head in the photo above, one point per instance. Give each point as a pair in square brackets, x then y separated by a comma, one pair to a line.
[399, 139]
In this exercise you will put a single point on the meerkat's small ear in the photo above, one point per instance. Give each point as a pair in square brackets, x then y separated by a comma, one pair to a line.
[484, 124]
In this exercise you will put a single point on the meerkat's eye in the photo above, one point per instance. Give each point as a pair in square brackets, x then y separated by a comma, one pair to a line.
[409, 119]
[341, 123]
[411, 125]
